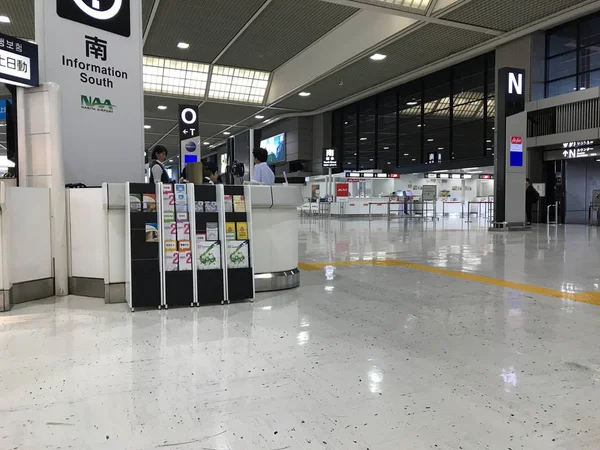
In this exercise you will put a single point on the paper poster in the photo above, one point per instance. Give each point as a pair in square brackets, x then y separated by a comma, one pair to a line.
[209, 255]
[151, 232]
[237, 254]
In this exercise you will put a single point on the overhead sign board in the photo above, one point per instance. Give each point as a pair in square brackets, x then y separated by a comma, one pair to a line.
[371, 175]
[572, 153]
[113, 16]
[330, 158]
[93, 50]
[3, 109]
[18, 62]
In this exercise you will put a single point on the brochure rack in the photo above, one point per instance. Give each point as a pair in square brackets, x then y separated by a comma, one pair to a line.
[143, 250]
[177, 215]
[208, 239]
[238, 238]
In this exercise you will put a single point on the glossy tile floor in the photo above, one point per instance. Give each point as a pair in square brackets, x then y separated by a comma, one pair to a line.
[359, 357]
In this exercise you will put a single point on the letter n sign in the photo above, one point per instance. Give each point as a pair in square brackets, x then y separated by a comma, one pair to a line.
[515, 83]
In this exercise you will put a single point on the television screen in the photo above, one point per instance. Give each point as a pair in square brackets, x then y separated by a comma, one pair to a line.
[275, 147]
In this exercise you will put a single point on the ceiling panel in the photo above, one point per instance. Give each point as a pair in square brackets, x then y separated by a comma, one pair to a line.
[284, 29]
[159, 125]
[152, 102]
[419, 48]
[507, 15]
[226, 114]
[170, 141]
[414, 6]
[146, 11]
[21, 15]
[267, 114]
[207, 25]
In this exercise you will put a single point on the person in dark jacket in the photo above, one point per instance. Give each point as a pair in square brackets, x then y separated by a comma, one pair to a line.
[531, 197]
[158, 172]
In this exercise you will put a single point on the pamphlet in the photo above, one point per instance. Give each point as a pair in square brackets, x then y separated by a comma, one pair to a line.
[237, 254]
[228, 203]
[135, 200]
[210, 207]
[151, 232]
[168, 216]
[185, 255]
[181, 208]
[182, 217]
[239, 203]
[180, 194]
[242, 231]
[212, 231]
[200, 236]
[171, 256]
[183, 231]
[230, 231]
[209, 255]
[149, 202]
[168, 198]
[170, 231]
[199, 207]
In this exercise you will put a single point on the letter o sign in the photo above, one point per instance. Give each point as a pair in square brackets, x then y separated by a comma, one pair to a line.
[189, 116]
[95, 11]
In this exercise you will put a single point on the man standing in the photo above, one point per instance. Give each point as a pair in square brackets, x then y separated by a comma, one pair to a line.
[531, 197]
[262, 171]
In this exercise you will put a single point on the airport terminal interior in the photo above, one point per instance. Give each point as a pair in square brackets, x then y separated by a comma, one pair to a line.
[421, 273]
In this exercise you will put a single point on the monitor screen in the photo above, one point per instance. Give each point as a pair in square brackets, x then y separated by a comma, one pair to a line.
[275, 147]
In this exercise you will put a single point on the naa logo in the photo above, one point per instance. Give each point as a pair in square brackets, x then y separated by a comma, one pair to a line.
[94, 103]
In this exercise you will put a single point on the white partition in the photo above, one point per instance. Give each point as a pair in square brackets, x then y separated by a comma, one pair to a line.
[28, 212]
[86, 218]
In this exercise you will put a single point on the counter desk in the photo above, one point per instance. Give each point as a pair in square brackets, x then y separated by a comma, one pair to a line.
[275, 231]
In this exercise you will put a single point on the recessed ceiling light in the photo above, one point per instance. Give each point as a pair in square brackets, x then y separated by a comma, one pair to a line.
[440, 148]
[226, 133]
[412, 103]
[371, 159]
[429, 140]
[488, 141]
[419, 125]
[267, 121]
[259, 117]
[147, 127]
[406, 154]
[183, 45]
[414, 159]
[386, 148]
[363, 139]
[4, 19]
[207, 143]
[378, 57]
[304, 94]
[162, 107]
[389, 162]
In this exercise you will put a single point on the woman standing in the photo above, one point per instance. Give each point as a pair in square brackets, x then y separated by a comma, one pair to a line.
[158, 172]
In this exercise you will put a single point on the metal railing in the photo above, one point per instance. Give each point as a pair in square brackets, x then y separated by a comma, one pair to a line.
[566, 118]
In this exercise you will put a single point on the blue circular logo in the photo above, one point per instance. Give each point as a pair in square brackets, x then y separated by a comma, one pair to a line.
[190, 147]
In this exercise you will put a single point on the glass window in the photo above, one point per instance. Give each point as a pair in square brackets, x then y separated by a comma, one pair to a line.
[561, 66]
[468, 139]
[367, 134]
[590, 79]
[561, 40]
[590, 31]
[386, 130]
[589, 59]
[560, 87]
[469, 81]
[349, 117]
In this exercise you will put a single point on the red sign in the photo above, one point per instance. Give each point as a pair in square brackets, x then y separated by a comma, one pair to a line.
[341, 189]
[394, 175]
[516, 140]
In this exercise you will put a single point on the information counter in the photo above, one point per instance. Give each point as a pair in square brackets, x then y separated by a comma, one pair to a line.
[275, 230]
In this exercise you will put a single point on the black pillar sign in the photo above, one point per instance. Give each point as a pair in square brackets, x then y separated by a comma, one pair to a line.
[19, 64]
[188, 122]
[113, 16]
[510, 101]
[331, 158]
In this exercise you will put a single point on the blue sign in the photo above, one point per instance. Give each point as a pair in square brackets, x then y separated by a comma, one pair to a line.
[516, 151]
[3, 109]
[190, 159]
[190, 147]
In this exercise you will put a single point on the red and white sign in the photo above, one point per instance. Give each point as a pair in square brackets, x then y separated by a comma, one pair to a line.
[516, 144]
[341, 192]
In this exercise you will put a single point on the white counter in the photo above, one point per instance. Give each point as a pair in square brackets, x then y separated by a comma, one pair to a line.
[275, 233]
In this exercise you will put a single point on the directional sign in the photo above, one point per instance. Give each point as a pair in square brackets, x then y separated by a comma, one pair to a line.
[188, 122]
[18, 62]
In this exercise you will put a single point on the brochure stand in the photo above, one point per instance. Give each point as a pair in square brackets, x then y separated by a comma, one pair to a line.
[143, 254]
[238, 237]
[177, 210]
[207, 244]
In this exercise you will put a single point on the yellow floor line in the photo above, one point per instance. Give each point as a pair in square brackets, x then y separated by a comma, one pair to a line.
[591, 298]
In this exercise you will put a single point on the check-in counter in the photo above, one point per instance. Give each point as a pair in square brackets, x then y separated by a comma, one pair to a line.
[275, 232]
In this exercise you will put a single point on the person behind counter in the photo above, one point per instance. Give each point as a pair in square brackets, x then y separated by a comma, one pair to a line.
[262, 171]
[211, 175]
[158, 172]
